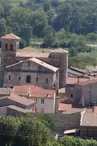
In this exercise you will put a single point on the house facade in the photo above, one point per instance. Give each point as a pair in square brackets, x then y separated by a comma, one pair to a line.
[31, 71]
[47, 101]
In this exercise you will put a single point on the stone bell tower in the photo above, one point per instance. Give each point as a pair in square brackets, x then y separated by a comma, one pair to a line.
[10, 43]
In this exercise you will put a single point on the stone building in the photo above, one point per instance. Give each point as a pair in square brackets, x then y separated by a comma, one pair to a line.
[49, 71]
[83, 92]
[88, 123]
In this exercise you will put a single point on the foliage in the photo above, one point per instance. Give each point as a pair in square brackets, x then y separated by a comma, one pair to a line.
[77, 62]
[65, 24]
[48, 122]
[22, 44]
[23, 131]
[73, 141]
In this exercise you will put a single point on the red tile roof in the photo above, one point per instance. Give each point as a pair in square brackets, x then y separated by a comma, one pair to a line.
[69, 107]
[71, 80]
[91, 81]
[10, 36]
[33, 91]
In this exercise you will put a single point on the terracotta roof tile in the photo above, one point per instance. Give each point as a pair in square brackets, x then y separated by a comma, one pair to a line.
[10, 36]
[33, 91]
[69, 107]
[76, 80]
[91, 81]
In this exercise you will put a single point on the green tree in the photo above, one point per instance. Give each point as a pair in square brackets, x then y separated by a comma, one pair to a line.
[32, 132]
[38, 22]
[8, 129]
[3, 27]
[48, 122]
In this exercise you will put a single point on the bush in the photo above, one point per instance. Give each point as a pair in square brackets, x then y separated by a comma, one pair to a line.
[22, 44]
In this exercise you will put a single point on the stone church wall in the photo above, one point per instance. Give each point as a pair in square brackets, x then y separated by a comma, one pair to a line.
[15, 79]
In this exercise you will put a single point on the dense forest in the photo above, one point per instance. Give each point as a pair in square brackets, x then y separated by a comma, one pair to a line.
[69, 24]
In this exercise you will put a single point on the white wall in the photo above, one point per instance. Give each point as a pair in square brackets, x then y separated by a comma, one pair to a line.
[48, 105]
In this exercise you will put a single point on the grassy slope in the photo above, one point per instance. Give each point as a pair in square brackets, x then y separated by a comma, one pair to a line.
[30, 49]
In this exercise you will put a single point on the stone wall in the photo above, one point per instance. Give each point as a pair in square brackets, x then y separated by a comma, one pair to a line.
[62, 121]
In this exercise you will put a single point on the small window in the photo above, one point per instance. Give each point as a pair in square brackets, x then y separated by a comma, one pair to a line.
[5, 86]
[42, 110]
[9, 77]
[11, 86]
[28, 79]
[42, 101]
[71, 96]
[11, 47]
[6, 46]
[19, 78]
[46, 80]
[36, 79]
[28, 63]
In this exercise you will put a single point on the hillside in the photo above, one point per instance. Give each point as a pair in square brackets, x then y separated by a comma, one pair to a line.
[13, 2]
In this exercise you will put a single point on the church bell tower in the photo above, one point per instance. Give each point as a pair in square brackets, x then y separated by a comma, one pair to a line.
[10, 43]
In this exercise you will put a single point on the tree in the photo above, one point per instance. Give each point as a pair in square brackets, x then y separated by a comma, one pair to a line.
[32, 132]
[24, 131]
[38, 22]
[8, 129]
[3, 27]
[48, 122]
[26, 33]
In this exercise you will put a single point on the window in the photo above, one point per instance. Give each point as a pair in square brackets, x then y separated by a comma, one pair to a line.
[28, 63]
[46, 80]
[11, 46]
[36, 79]
[6, 46]
[42, 101]
[19, 78]
[71, 96]
[40, 69]
[5, 86]
[11, 86]
[9, 77]
[42, 110]
[28, 79]
[35, 100]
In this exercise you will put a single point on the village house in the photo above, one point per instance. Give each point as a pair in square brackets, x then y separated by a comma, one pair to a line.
[7, 98]
[47, 101]
[82, 92]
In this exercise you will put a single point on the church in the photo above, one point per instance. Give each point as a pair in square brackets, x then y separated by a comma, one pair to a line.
[48, 70]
